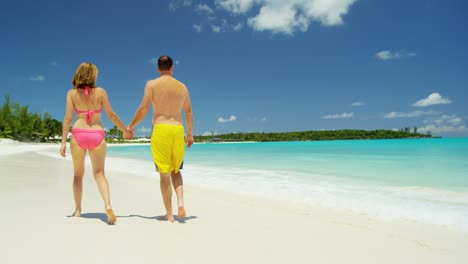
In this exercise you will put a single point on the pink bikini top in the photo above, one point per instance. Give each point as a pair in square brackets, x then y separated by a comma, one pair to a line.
[89, 113]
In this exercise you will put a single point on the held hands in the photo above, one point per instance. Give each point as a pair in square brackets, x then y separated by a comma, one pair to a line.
[189, 140]
[129, 133]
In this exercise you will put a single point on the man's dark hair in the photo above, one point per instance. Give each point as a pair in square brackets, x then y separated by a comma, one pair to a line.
[164, 63]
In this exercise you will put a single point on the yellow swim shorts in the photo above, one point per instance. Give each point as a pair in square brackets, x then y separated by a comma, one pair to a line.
[168, 147]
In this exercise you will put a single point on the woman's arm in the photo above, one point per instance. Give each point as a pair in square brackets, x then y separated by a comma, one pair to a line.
[113, 116]
[67, 120]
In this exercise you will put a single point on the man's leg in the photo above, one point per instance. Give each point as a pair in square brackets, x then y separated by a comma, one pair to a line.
[166, 192]
[177, 183]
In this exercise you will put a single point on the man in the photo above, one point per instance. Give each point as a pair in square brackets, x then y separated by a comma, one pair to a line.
[169, 97]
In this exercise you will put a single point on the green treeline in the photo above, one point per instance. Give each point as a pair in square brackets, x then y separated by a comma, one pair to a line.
[315, 135]
[18, 123]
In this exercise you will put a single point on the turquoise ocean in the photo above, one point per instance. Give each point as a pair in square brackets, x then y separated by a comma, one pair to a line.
[423, 180]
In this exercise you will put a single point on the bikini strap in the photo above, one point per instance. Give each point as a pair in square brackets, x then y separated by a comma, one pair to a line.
[89, 113]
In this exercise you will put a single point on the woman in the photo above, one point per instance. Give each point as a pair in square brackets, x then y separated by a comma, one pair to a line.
[88, 134]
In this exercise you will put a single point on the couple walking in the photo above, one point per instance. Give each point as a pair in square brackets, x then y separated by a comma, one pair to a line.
[169, 98]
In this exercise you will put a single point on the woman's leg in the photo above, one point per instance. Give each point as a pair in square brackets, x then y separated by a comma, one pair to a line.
[78, 156]
[98, 156]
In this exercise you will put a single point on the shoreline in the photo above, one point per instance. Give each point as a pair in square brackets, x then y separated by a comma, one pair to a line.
[219, 224]
[202, 177]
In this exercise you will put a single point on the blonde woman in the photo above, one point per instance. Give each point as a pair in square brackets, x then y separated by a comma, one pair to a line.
[88, 133]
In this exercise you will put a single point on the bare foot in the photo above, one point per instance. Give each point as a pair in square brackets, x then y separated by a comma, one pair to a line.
[169, 218]
[111, 219]
[77, 213]
[181, 213]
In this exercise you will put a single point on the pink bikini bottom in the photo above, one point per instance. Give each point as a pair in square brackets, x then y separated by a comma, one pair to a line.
[88, 138]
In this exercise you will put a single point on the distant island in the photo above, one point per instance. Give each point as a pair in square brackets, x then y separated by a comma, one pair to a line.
[18, 123]
[346, 134]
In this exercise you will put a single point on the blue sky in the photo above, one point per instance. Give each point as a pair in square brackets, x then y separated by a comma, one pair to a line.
[251, 65]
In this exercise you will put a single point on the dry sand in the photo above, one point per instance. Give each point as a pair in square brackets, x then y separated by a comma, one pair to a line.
[36, 202]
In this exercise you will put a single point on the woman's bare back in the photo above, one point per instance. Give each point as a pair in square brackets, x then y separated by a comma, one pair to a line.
[87, 102]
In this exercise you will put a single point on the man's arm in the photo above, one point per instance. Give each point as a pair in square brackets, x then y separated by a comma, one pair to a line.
[189, 120]
[143, 108]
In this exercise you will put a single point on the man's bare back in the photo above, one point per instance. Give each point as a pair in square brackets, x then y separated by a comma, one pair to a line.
[168, 96]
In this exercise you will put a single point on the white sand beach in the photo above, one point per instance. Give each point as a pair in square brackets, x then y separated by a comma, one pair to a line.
[36, 202]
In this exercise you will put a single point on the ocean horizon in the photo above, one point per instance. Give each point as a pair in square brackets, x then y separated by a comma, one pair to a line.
[423, 180]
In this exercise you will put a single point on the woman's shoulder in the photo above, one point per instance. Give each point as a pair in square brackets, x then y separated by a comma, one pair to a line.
[71, 91]
[100, 90]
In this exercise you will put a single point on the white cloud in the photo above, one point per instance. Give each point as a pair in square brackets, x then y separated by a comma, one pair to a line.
[279, 19]
[437, 129]
[441, 124]
[358, 104]
[328, 12]
[204, 9]
[198, 27]
[220, 28]
[455, 120]
[207, 133]
[432, 99]
[216, 29]
[385, 55]
[210, 133]
[393, 115]
[276, 16]
[237, 27]
[287, 17]
[232, 118]
[389, 55]
[143, 131]
[339, 116]
[37, 78]
[176, 4]
[451, 119]
[236, 6]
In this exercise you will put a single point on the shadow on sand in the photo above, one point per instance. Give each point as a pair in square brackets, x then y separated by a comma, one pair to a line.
[161, 218]
[100, 216]
[103, 217]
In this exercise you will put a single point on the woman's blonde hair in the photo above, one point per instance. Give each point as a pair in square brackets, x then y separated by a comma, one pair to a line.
[85, 75]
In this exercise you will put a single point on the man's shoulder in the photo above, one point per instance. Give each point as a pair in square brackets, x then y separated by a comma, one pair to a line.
[158, 79]
[179, 82]
[151, 81]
